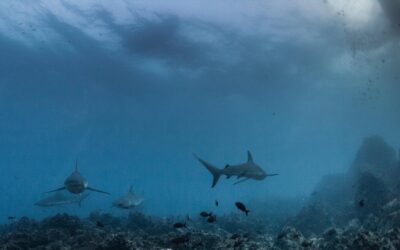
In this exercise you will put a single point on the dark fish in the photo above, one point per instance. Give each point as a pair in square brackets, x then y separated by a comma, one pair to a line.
[179, 225]
[99, 224]
[238, 243]
[11, 217]
[205, 214]
[242, 207]
[180, 240]
[246, 235]
[212, 219]
[216, 203]
[361, 203]
[281, 236]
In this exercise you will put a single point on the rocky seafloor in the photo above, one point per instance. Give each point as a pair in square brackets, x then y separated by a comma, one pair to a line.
[138, 231]
[359, 209]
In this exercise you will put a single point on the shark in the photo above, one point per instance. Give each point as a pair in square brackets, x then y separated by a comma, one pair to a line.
[244, 171]
[76, 184]
[128, 201]
[59, 199]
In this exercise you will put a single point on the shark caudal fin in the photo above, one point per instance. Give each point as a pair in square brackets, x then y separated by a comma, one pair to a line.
[131, 189]
[213, 170]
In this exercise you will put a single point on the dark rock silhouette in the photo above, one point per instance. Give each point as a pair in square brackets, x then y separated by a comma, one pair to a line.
[378, 158]
[312, 218]
[373, 193]
[372, 180]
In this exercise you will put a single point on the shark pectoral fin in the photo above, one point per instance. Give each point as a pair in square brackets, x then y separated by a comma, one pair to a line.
[272, 174]
[55, 190]
[96, 190]
[241, 181]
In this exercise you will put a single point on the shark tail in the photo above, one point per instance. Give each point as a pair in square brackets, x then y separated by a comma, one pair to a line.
[272, 174]
[213, 170]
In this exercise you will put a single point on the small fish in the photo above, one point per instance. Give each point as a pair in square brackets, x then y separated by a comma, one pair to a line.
[180, 240]
[11, 217]
[242, 207]
[179, 225]
[99, 224]
[238, 243]
[361, 203]
[216, 203]
[212, 219]
[205, 214]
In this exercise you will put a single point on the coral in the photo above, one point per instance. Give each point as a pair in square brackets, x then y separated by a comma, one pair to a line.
[65, 222]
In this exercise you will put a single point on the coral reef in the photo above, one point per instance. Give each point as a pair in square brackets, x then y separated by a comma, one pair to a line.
[68, 232]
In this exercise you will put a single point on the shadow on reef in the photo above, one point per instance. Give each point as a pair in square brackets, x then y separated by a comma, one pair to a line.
[359, 209]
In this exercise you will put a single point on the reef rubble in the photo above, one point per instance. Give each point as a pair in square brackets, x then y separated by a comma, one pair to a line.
[64, 231]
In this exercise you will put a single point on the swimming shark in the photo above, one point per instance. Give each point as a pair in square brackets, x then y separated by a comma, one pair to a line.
[59, 199]
[76, 184]
[247, 170]
[128, 201]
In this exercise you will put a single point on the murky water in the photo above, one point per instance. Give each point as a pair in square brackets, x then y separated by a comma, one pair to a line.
[139, 115]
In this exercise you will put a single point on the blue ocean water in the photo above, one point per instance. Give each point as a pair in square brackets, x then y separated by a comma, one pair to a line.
[133, 89]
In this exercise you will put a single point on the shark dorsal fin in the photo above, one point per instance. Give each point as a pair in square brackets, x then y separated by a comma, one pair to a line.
[131, 189]
[76, 165]
[249, 157]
